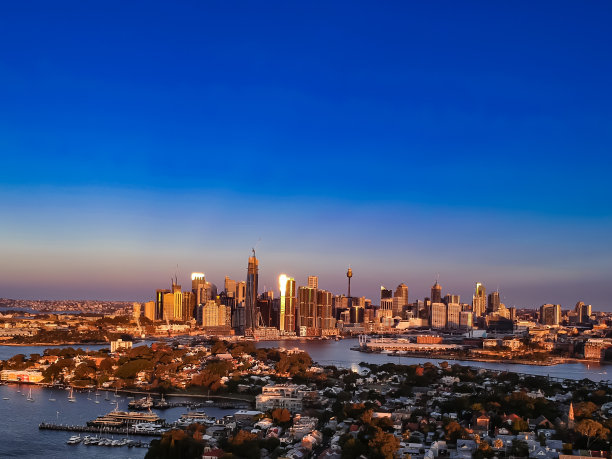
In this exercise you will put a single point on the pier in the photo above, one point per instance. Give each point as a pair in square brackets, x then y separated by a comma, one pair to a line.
[96, 430]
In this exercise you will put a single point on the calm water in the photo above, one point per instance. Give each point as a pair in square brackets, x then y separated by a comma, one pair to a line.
[339, 353]
[20, 437]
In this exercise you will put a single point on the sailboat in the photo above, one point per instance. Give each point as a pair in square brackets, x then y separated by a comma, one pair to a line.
[71, 397]
[97, 395]
[106, 396]
[29, 397]
[89, 394]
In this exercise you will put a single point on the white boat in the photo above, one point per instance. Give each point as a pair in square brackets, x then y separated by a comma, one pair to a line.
[29, 397]
[5, 398]
[51, 399]
[71, 397]
[74, 440]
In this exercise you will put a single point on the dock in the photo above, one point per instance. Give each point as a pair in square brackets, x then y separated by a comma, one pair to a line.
[96, 430]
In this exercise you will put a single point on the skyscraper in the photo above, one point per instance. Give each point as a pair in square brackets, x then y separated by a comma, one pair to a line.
[400, 300]
[200, 288]
[325, 318]
[307, 310]
[251, 292]
[290, 305]
[436, 293]
[313, 282]
[479, 300]
[385, 293]
[494, 302]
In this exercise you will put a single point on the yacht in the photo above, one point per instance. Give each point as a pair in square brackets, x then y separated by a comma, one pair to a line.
[29, 397]
[75, 439]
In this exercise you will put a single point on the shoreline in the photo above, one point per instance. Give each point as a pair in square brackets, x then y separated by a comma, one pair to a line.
[556, 361]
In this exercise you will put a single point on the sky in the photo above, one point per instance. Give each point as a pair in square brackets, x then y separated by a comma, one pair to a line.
[412, 141]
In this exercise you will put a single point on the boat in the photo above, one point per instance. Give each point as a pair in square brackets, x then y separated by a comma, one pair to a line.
[75, 439]
[118, 418]
[5, 398]
[29, 397]
[162, 404]
[51, 399]
[97, 395]
[144, 403]
[71, 397]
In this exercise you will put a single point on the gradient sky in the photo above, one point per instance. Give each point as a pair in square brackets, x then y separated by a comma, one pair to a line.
[405, 139]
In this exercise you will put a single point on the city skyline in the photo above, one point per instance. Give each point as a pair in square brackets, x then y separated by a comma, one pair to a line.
[337, 135]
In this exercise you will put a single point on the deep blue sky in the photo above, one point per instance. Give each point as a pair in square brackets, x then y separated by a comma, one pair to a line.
[406, 139]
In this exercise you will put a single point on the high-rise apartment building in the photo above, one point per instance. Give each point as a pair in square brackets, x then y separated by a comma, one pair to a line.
[385, 293]
[479, 300]
[289, 316]
[251, 292]
[325, 317]
[307, 311]
[313, 282]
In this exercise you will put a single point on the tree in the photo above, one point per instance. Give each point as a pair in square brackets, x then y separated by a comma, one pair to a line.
[384, 445]
[281, 416]
[591, 430]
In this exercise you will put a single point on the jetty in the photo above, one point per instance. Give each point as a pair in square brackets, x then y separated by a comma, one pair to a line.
[97, 430]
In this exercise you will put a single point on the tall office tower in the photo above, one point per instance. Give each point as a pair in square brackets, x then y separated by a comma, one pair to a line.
[177, 310]
[438, 315]
[307, 311]
[357, 314]
[168, 303]
[385, 293]
[402, 292]
[493, 303]
[251, 292]
[230, 287]
[453, 315]
[189, 306]
[325, 316]
[479, 300]
[452, 299]
[159, 303]
[400, 300]
[436, 293]
[265, 306]
[200, 288]
[313, 282]
[550, 314]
